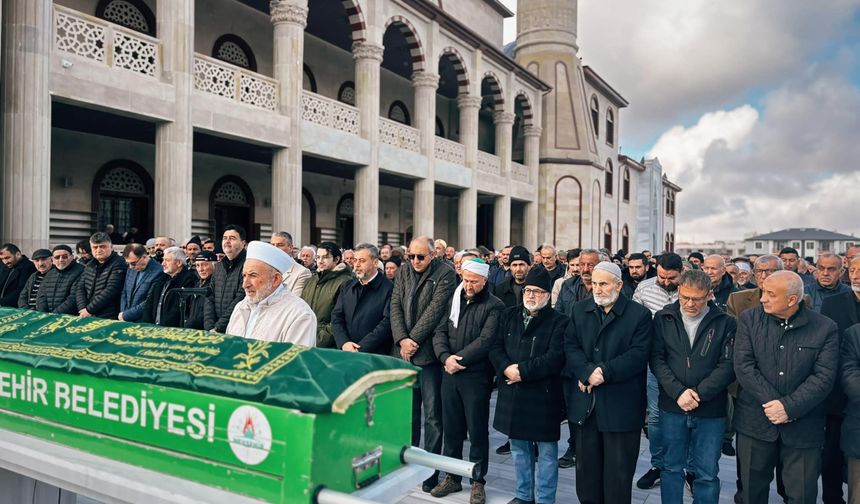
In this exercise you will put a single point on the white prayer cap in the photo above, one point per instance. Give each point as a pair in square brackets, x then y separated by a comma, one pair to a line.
[476, 266]
[743, 266]
[270, 254]
[611, 267]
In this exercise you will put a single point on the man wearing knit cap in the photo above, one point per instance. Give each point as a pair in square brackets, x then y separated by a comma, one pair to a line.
[57, 293]
[528, 355]
[606, 348]
[192, 248]
[269, 311]
[462, 343]
[510, 291]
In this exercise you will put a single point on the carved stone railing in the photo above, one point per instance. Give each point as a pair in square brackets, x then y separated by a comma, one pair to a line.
[448, 150]
[220, 78]
[324, 111]
[520, 172]
[399, 135]
[96, 39]
[488, 163]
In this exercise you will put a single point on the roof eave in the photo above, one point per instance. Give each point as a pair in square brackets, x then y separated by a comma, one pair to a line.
[597, 81]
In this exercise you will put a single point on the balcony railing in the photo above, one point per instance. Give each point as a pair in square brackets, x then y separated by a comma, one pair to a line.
[520, 172]
[99, 40]
[488, 163]
[399, 135]
[447, 150]
[324, 111]
[235, 83]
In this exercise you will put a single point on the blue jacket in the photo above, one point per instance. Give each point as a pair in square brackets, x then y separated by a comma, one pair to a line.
[819, 293]
[133, 296]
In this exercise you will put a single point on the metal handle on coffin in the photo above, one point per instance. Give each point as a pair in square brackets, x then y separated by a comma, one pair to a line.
[413, 455]
[326, 496]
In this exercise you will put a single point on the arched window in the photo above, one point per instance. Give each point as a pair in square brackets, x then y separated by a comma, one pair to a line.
[231, 201]
[610, 127]
[122, 195]
[346, 93]
[625, 189]
[607, 236]
[670, 203]
[595, 115]
[667, 245]
[398, 112]
[309, 82]
[440, 128]
[625, 239]
[132, 14]
[609, 178]
[233, 49]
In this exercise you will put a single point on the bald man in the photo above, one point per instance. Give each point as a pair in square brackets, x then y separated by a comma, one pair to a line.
[786, 360]
[722, 284]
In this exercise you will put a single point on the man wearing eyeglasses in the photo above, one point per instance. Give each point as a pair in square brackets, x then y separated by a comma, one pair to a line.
[142, 271]
[296, 275]
[418, 304]
[691, 357]
[742, 301]
[57, 293]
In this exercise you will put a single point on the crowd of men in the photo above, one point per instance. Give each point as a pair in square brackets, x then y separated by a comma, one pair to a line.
[756, 356]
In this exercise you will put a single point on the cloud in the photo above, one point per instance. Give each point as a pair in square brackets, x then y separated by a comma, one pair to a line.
[794, 164]
[676, 60]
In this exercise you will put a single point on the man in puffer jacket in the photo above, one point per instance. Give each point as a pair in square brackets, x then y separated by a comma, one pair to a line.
[691, 356]
[100, 287]
[59, 288]
[227, 288]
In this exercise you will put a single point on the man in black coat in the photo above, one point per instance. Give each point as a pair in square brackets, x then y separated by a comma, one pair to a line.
[59, 288]
[162, 304]
[360, 320]
[204, 265]
[100, 287]
[419, 300]
[721, 282]
[691, 357]
[42, 261]
[638, 269]
[786, 361]
[607, 347]
[18, 269]
[462, 344]
[844, 309]
[227, 288]
[510, 291]
[528, 355]
[850, 378]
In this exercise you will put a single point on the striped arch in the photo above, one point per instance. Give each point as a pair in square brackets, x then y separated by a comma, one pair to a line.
[416, 52]
[495, 89]
[526, 104]
[457, 60]
[356, 20]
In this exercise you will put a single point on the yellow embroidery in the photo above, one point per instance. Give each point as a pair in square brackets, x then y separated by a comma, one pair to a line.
[256, 350]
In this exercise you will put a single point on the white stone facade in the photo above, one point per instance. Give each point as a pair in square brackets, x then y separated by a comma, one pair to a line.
[344, 120]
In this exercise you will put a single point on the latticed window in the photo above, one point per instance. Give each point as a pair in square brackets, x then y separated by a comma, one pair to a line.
[132, 14]
[123, 180]
[346, 94]
[232, 193]
[399, 113]
[233, 49]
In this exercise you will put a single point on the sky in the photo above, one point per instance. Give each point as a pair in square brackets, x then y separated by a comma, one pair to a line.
[752, 107]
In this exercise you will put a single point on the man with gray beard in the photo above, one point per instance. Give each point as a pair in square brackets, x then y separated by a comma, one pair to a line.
[57, 293]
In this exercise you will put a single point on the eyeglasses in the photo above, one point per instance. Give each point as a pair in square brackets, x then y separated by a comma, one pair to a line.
[533, 292]
[61, 257]
[419, 257]
[764, 271]
[696, 300]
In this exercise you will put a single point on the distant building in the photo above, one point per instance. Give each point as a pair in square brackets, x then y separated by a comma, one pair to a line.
[729, 248]
[807, 241]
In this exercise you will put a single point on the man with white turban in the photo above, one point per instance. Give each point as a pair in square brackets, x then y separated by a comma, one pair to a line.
[269, 311]
[462, 343]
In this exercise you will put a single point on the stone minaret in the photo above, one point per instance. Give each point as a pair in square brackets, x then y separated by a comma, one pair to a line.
[547, 46]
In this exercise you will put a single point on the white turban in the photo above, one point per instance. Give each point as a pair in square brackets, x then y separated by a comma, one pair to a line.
[743, 266]
[611, 267]
[271, 255]
[476, 266]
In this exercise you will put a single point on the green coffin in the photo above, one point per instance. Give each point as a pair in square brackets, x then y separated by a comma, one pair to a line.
[273, 421]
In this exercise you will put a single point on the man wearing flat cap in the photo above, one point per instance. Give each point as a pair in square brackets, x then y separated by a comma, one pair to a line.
[269, 311]
[462, 344]
[42, 261]
[606, 348]
[528, 355]
[204, 265]
[510, 290]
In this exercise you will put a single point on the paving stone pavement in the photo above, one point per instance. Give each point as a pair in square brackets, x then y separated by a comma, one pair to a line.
[501, 482]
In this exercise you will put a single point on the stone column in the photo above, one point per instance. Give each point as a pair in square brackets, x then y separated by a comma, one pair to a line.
[467, 214]
[289, 18]
[368, 57]
[425, 120]
[174, 140]
[532, 162]
[25, 176]
[504, 122]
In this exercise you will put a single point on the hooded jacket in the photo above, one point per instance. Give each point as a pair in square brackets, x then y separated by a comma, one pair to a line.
[58, 291]
[321, 292]
[705, 366]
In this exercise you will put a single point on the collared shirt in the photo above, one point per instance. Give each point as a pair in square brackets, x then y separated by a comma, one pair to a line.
[650, 295]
